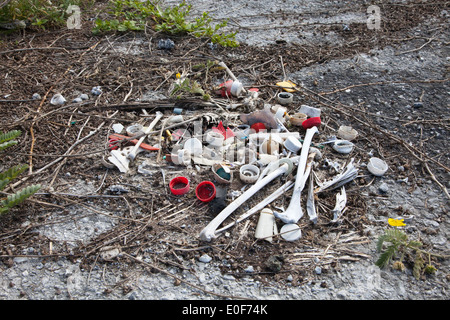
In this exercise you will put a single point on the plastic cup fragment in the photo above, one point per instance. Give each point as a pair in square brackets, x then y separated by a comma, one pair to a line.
[297, 119]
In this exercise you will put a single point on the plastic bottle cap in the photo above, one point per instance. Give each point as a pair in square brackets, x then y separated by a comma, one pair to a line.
[292, 144]
[347, 133]
[258, 126]
[194, 146]
[298, 118]
[179, 186]
[285, 98]
[311, 122]
[377, 167]
[249, 173]
[236, 88]
[343, 146]
[205, 191]
[290, 232]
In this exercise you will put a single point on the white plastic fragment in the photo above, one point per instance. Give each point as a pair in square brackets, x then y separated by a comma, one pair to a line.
[117, 127]
[96, 91]
[109, 253]
[309, 111]
[57, 99]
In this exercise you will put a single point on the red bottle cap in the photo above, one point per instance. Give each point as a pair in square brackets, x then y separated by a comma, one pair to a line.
[258, 126]
[179, 186]
[205, 191]
[311, 122]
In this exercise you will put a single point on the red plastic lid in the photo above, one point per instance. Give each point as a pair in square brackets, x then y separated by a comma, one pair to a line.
[205, 191]
[311, 122]
[258, 126]
[179, 186]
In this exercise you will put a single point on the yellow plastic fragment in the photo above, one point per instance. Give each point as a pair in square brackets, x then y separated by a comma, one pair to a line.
[396, 222]
[286, 85]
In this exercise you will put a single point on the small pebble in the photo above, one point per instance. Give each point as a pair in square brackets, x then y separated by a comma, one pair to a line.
[249, 269]
[166, 44]
[383, 187]
[418, 104]
[318, 270]
[205, 258]
[96, 91]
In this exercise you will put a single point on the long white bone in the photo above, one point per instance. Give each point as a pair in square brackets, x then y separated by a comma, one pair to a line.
[294, 212]
[133, 152]
[209, 232]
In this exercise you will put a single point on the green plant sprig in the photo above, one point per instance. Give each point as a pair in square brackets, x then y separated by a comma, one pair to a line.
[399, 243]
[6, 140]
[135, 15]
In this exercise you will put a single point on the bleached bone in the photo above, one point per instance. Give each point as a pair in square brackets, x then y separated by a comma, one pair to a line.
[133, 152]
[275, 195]
[310, 206]
[347, 175]
[294, 212]
[208, 233]
[341, 201]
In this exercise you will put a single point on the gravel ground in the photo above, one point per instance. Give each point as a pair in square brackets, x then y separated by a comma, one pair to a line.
[203, 278]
